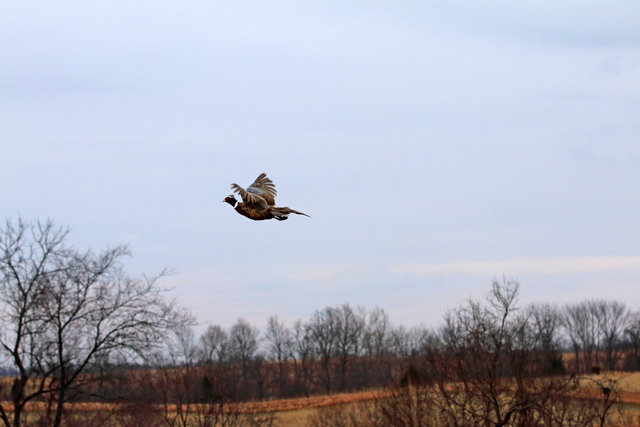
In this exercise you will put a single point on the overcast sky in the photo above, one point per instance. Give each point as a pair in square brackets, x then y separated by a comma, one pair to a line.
[436, 145]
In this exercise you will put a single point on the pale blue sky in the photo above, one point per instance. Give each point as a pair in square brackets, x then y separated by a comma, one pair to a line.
[435, 145]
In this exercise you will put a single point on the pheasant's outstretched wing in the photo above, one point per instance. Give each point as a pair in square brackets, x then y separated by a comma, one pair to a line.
[249, 198]
[263, 187]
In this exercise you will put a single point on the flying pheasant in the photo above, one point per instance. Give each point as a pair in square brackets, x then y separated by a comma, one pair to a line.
[258, 201]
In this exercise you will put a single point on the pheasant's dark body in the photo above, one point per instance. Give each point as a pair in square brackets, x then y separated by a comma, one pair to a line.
[258, 201]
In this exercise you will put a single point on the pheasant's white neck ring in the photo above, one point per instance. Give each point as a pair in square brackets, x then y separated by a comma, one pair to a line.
[236, 205]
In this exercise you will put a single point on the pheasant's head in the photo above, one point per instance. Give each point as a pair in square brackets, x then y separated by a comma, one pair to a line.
[231, 200]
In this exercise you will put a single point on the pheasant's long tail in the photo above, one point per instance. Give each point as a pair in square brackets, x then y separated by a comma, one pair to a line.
[283, 213]
[299, 213]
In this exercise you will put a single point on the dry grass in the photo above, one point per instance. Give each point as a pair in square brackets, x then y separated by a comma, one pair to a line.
[298, 411]
[625, 413]
[627, 384]
[279, 405]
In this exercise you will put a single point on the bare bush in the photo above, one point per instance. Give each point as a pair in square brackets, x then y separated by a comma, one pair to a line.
[65, 313]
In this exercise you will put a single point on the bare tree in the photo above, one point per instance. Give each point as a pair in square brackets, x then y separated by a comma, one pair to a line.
[243, 339]
[243, 345]
[182, 347]
[94, 310]
[595, 325]
[174, 377]
[399, 341]
[546, 321]
[350, 325]
[279, 339]
[323, 330]
[408, 342]
[280, 347]
[632, 332]
[194, 394]
[481, 358]
[612, 318]
[581, 327]
[214, 344]
[65, 312]
[376, 334]
[304, 352]
[487, 369]
[30, 257]
[376, 366]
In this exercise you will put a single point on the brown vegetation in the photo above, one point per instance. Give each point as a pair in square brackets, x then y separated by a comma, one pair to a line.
[81, 340]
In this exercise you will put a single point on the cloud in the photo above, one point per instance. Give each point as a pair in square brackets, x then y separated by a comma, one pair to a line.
[417, 137]
[522, 266]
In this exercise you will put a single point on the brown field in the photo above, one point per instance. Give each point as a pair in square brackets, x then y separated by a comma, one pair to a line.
[628, 385]
[279, 405]
[297, 411]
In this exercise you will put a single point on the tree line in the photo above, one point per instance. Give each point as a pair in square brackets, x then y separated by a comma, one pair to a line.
[600, 335]
[75, 327]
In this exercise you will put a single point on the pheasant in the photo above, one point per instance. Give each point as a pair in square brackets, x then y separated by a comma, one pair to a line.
[258, 201]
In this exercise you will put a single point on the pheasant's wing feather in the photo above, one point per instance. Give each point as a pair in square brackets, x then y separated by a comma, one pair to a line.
[264, 188]
[249, 198]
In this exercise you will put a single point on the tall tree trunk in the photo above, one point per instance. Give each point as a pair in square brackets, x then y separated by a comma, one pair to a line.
[327, 375]
[17, 396]
[59, 407]
[17, 413]
[343, 372]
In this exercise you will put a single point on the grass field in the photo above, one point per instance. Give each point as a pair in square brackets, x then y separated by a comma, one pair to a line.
[301, 411]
